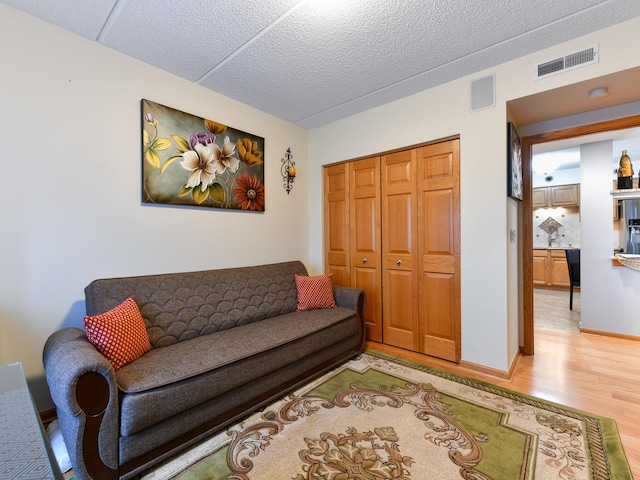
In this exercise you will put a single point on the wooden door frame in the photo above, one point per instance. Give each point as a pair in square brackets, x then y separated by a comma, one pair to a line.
[527, 220]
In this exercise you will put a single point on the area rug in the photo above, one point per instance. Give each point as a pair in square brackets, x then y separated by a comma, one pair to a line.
[380, 417]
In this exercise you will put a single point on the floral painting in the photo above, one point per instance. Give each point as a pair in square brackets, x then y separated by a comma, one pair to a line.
[188, 160]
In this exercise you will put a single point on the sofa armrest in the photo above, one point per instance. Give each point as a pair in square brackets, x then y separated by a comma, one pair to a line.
[355, 299]
[349, 297]
[83, 387]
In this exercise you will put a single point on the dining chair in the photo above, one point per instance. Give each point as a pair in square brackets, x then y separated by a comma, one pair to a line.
[573, 263]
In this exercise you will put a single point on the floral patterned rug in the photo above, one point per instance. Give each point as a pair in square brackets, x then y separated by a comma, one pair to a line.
[380, 417]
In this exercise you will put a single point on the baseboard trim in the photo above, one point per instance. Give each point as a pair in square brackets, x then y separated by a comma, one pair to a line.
[603, 333]
[462, 368]
[488, 371]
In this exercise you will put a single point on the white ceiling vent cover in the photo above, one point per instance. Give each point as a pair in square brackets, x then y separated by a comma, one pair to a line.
[568, 62]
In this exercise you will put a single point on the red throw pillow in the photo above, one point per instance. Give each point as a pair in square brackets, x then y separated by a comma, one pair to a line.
[314, 292]
[119, 334]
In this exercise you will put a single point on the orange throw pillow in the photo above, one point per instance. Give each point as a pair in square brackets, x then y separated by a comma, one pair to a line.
[119, 334]
[314, 292]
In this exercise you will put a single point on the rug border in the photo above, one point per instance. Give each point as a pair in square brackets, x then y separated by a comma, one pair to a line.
[609, 434]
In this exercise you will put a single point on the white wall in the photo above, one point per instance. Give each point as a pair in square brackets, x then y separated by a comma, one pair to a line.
[488, 289]
[71, 184]
[560, 177]
[609, 295]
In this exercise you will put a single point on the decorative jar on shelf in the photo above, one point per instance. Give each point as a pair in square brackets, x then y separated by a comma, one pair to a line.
[625, 172]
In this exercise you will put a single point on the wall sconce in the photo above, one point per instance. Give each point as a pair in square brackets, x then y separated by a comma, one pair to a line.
[288, 171]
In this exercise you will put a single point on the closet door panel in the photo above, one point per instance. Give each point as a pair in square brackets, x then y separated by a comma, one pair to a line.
[365, 241]
[437, 304]
[438, 243]
[336, 224]
[368, 279]
[364, 222]
[399, 310]
[400, 284]
[439, 250]
[399, 279]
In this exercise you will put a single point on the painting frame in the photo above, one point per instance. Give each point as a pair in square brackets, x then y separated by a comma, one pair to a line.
[514, 163]
[197, 162]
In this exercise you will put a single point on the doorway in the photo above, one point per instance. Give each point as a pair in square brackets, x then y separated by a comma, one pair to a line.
[528, 347]
[556, 216]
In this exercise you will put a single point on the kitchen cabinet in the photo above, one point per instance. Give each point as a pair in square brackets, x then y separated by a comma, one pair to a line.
[622, 195]
[557, 196]
[392, 228]
[540, 197]
[550, 268]
[617, 209]
[540, 267]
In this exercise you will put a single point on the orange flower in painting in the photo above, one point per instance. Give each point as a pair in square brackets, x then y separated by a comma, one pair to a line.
[250, 192]
[214, 127]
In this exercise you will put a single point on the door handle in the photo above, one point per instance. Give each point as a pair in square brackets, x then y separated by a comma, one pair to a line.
[398, 262]
[364, 260]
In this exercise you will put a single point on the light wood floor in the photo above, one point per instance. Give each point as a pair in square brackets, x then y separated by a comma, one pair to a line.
[597, 374]
[551, 309]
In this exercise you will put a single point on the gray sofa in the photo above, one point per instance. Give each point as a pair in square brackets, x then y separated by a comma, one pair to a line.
[224, 342]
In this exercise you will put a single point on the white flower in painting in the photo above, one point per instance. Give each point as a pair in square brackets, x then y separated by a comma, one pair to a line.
[224, 158]
[200, 162]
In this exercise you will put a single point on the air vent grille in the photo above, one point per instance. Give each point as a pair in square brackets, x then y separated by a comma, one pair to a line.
[568, 62]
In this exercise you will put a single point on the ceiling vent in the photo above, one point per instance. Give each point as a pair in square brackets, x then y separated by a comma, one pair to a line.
[568, 62]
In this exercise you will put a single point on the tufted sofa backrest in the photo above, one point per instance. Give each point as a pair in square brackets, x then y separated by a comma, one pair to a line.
[180, 306]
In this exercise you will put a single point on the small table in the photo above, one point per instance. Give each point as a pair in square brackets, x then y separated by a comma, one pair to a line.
[24, 449]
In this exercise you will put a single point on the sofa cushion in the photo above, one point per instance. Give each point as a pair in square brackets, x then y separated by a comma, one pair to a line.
[170, 380]
[178, 307]
[119, 334]
[168, 365]
[314, 292]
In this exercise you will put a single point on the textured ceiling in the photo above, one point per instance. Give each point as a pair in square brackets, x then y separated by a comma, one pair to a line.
[312, 62]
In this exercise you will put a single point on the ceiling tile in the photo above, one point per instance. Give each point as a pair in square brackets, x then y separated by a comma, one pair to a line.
[83, 18]
[312, 69]
[189, 38]
[312, 62]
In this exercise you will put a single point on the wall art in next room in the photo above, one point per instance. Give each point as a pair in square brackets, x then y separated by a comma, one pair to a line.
[188, 160]
[514, 159]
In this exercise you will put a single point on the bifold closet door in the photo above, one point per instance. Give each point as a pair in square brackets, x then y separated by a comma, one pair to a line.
[399, 274]
[336, 224]
[392, 228]
[439, 249]
[364, 221]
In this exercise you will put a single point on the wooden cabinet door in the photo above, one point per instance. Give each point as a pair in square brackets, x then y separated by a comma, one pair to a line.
[540, 197]
[565, 195]
[559, 269]
[439, 249]
[556, 196]
[364, 220]
[400, 292]
[540, 267]
[336, 224]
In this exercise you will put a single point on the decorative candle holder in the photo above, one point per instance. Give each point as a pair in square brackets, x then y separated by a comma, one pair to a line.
[288, 170]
